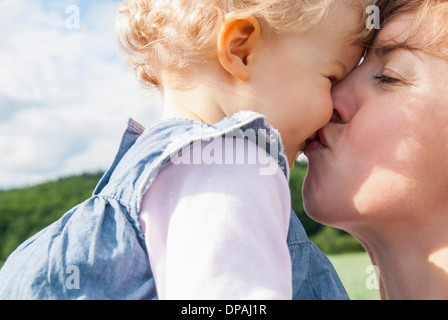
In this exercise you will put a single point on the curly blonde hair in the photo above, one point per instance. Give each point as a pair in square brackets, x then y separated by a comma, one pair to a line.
[160, 35]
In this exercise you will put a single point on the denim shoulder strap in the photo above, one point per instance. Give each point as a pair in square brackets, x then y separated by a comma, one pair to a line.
[133, 131]
[156, 146]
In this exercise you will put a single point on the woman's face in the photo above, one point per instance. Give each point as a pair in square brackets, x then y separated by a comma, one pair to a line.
[384, 155]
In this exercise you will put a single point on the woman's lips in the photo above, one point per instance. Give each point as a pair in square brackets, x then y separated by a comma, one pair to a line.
[316, 142]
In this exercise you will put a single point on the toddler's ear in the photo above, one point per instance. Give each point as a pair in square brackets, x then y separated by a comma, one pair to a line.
[236, 46]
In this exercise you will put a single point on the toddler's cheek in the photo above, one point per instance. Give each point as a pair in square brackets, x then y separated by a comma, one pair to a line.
[324, 109]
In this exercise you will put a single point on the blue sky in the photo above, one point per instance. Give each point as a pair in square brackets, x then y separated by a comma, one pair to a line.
[65, 95]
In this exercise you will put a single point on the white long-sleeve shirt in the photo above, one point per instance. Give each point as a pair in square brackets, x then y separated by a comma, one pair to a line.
[218, 231]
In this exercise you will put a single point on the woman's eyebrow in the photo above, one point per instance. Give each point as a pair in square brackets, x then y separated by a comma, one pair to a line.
[383, 50]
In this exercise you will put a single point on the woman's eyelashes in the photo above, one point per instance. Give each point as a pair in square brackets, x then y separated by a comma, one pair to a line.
[383, 79]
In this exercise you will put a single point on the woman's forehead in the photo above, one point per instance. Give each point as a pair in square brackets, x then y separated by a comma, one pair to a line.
[397, 29]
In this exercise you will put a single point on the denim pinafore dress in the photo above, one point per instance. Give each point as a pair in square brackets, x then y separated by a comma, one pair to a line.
[97, 249]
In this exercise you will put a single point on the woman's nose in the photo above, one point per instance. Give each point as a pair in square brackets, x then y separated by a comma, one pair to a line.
[344, 100]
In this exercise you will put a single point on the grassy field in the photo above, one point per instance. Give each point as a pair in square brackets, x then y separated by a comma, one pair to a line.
[353, 269]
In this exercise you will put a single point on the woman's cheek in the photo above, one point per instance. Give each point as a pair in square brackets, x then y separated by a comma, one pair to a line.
[383, 192]
[385, 152]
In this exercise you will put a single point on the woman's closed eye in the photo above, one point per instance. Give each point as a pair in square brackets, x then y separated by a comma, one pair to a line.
[390, 76]
[383, 79]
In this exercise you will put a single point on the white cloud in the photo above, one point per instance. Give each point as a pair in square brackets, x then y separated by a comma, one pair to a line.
[64, 94]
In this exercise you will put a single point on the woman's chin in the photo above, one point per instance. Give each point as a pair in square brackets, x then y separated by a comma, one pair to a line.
[314, 204]
[323, 206]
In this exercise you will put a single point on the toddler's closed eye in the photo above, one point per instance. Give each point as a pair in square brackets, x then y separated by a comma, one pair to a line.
[333, 80]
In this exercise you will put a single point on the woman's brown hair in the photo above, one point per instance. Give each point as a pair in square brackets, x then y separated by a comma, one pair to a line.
[429, 30]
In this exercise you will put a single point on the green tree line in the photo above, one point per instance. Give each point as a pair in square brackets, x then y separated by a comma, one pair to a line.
[23, 212]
